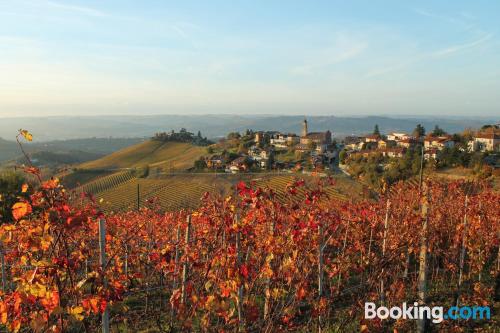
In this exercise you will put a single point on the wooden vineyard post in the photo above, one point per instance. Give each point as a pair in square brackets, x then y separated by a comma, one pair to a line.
[240, 288]
[177, 254]
[267, 301]
[4, 276]
[462, 253]
[138, 197]
[185, 264]
[384, 242]
[126, 260]
[422, 272]
[320, 269]
[176, 266]
[339, 281]
[102, 261]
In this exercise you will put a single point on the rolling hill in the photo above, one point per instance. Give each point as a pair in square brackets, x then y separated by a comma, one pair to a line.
[152, 153]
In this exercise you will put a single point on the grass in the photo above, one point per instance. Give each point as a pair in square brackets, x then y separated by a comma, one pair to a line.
[163, 155]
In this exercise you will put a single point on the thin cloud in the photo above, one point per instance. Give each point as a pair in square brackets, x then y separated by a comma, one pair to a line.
[461, 47]
[78, 9]
[424, 56]
[347, 54]
[392, 68]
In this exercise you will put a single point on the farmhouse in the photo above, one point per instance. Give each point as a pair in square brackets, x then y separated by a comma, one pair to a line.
[280, 140]
[397, 136]
[438, 142]
[489, 141]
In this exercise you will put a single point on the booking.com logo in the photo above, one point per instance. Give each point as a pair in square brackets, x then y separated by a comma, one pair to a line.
[436, 313]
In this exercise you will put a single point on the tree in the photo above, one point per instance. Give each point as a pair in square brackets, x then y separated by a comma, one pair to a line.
[438, 131]
[200, 164]
[242, 149]
[376, 131]
[419, 131]
[233, 135]
[342, 156]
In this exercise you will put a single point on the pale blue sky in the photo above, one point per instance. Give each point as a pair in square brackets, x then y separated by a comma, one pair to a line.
[62, 57]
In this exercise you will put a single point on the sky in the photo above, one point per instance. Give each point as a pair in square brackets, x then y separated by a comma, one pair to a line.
[331, 57]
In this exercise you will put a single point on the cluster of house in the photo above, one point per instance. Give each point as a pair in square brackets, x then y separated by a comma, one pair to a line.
[318, 145]
[396, 144]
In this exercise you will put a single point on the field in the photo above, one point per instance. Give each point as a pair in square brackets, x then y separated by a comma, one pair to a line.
[75, 178]
[122, 191]
[157, 154]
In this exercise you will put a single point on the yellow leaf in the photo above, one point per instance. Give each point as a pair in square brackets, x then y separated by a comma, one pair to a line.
[20, 209]
[27, 135]
[38, 290]
[76, 312]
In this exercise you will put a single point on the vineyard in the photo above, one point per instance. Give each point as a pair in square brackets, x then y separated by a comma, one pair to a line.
[258, 260]
[121, 191]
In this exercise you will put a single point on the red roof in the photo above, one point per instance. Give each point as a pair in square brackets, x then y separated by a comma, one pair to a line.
[490, 135]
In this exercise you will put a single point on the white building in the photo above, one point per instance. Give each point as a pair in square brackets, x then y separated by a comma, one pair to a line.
[397, 136]
[485, 142]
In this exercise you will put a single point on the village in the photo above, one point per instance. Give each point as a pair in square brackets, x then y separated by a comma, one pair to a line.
[256, 151]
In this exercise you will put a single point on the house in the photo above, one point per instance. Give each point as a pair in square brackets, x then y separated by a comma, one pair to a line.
[397, 136]
[393, 152]
[489, 141]
[372, 138]
[353, 142]
[384, 144]
[438, 142]
[262, 137]
[431, 153]
[280, 140]
[260, 156]
[215, 162]
[406, 143]
[240, 164]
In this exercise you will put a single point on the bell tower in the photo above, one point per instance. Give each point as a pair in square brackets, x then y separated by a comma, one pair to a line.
[304, 128]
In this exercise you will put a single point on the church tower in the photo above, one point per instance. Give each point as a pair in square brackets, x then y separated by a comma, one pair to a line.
[304, 128]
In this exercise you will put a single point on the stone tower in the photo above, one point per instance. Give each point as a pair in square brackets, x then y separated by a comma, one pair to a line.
[304, 128]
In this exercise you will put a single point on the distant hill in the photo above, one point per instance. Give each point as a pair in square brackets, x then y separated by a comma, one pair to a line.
[64, 151]
[48, 158]
[153, 153]
[8, 150]
[214, 126]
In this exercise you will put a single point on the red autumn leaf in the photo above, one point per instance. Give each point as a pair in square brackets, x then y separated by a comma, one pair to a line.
[244, 271]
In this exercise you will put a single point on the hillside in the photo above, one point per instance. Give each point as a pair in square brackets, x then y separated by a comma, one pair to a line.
[8, 150]
[162, 155]
[64, 151]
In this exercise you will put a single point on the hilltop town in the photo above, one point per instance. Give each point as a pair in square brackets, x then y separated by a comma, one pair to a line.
[382, 153]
